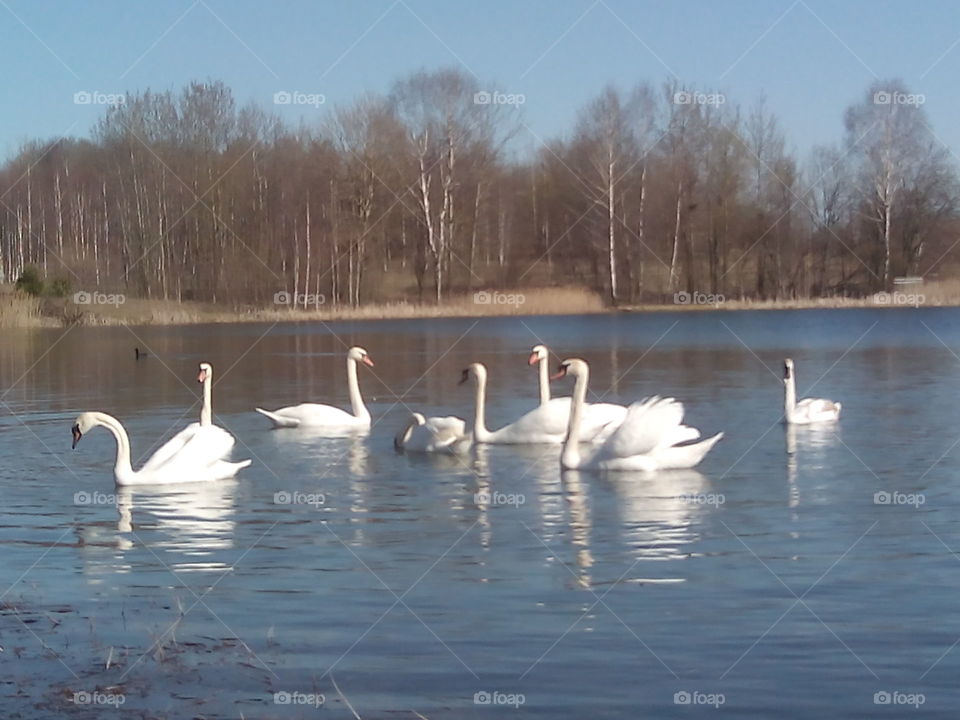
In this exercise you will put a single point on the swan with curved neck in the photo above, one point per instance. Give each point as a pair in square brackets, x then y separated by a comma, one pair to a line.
[808, 410]
[528, 428]
[543, 424]
[314, 415]
[648, 439]
[599, 419]
[189, 462]
[433, 435]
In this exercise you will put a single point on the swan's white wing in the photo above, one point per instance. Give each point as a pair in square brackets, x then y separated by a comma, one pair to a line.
[312, 415]
[539, 425]
[446, 429]
[648, 425]
[817, 406]
[600, 421]
[206, 446]
[171, 447]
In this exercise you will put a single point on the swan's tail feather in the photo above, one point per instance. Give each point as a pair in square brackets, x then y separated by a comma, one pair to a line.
[279, 421]
[682, 457]
[224, 469]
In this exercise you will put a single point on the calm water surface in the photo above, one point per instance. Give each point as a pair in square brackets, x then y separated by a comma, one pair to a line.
[771, 582]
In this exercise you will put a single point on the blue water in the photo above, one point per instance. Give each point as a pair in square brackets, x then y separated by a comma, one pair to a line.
[771, 581]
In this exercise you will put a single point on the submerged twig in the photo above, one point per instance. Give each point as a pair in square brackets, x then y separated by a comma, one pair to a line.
[343, 697]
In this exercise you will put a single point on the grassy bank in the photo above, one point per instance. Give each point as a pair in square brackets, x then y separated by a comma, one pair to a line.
[18, 310]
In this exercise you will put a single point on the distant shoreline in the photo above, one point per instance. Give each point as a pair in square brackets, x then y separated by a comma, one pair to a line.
[22, 312]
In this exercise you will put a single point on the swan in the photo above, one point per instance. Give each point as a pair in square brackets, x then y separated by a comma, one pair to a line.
[646, 440]
[215, 441]
[138, 353]
[313, 415]
[599, 419]
[540, 356]
[435, 434]
[808, 410]
[178, 461]
[540, 425]
[218, 440]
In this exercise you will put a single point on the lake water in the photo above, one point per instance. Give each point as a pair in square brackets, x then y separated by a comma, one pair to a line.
[772, 581]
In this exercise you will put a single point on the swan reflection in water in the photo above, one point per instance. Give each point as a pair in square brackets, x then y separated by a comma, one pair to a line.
[190, 522]
[809, 441]
[659, 512]
[324, 454]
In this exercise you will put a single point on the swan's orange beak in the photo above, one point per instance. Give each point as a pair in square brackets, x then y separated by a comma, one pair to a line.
[464, 376]
[560, 373]
[367, 361]
[76, 436]
[534, 359]
[202, 377]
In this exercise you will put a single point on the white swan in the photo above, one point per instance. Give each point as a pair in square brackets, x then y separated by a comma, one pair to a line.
[207, 437]
[219, 441]
[808, 410]
[313, 415]
[178, 461]
[540, 356]
[434, 434]
[540, 425]
[599, 419]
[647, 439]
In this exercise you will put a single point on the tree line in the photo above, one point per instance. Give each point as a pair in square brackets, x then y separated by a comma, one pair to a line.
[419, 193]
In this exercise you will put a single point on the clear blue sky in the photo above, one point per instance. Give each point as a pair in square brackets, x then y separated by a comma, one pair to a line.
[810, 57]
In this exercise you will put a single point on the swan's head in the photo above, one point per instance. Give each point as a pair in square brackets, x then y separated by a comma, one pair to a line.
[572, 366]
[358, 354]
[787, 369]
[206, 372]
[476, 370]
[401, 437]
[538, 354]
[82, 425]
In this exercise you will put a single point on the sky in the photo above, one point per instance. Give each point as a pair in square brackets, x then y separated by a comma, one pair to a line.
[810, 59]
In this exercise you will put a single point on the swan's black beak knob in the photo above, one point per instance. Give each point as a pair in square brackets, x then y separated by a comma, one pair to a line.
[464, 376]
[76, 436]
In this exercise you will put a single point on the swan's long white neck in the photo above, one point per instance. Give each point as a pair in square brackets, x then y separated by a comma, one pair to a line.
[789, 396]
[122, 471]
[206, 411]
[356, 399]
[480, 432]
[544, 380]
[570, 457]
